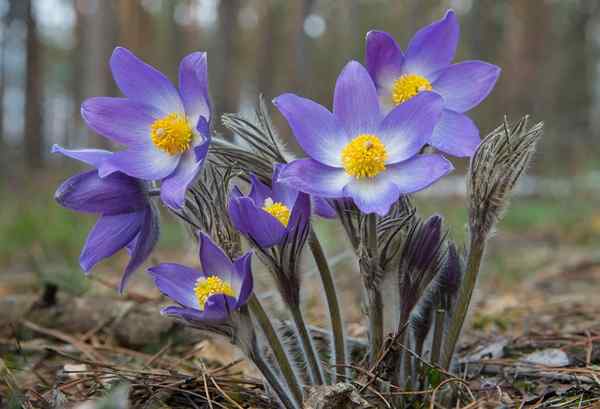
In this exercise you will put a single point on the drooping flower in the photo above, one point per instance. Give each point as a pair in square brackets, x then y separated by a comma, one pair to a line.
[267, 214]
[210, 295]
[166, 131]
[427, 66]
[358, 153]
[127, 218]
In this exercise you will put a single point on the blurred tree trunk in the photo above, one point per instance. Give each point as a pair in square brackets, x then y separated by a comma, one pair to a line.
[33, 136]
[267, 54]
[4, 26]
[227, 87]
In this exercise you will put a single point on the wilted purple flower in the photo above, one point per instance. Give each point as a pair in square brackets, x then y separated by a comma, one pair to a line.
[165, 130]
[358, 153]
[127, 218]
[266, 215]
[426, 66]
[210, 295]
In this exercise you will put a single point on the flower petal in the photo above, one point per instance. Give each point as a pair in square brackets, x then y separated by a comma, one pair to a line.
[242, 278]
[254, 222]
[408, 127]
[176, 282]
[373, 195]
[312, 177]
[93, 157]
[174, 186]
[455, 134]
[466, 84]
[282, 192]
[142, 162]
[119, 119]
[144, 243]
[433, 47]
[259, 192]
[110, 234]
[143, 83]
[87, 192]
[213, 259]
[418, 173]
[323, 208]
[218, 308]
[300, 216]
[193, 86]
[384, 58]
[355, 101]
[316, 129]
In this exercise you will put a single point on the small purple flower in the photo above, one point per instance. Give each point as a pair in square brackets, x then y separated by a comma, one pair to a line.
[357, 152]
[127, 218]
[426, 66]
[266, 215]
[166, 131]
[210, 295]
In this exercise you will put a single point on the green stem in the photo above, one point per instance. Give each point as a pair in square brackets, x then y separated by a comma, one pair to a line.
[276, 347]
[314, 365]
[335, 315]
[463, 300]
[375, 303]
[438, 334]
[273, 381]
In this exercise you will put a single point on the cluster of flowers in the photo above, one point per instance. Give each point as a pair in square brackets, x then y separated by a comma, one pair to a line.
[391, 126]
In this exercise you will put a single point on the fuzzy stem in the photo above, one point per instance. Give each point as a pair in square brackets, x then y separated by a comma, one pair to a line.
[335, 315]
[276, 347]
[438, 333]
[375, 306]
[463, 300]
[273, 381]
[314, 365]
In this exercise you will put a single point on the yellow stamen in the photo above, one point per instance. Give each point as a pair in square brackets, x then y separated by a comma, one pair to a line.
[278, 210]
[206, 287]
[172, 133]
[364, 156]
[407, 86]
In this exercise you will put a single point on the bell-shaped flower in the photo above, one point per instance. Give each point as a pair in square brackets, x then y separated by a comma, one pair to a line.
[210, 295]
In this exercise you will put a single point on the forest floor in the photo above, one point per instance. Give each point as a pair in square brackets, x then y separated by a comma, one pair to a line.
[533, 338]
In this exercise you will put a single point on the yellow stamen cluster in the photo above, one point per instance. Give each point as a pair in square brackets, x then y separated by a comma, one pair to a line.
[172, 133]
[364, 156]
[407, 86]
[278, 210]
[210, 286]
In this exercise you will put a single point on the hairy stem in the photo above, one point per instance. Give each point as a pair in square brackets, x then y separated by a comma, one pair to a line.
[273, 381]
[276, 347]
[463, 300]
[312, 358]
[375, 303]
[335, 315]
[438, 333]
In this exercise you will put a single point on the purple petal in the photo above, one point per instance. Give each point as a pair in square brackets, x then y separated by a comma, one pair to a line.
[259, 191]
[174, 186]
[143, 83]
[119, 119]
[143, 244]
[373, 195]
[311, 177]
[408, 127]
[87, 192]
[300, 216]
[466, 84]
[254, 222]
[323, 208]
[213, 259]
[384, 58]
[176, 282]
[93, 157]
[142, 162]
[193, 86]
[242, 278]
[433, 47]
[316, 129]
[193, 315]
[355, 101]
[218, 308]
[282, 192]
[455, 134]
[418, 173]
[110, 234]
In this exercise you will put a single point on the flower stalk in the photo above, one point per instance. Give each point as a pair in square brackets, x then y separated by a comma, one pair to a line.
[375, 303]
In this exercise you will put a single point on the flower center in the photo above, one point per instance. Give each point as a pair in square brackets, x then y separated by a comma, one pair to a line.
[206, 287]
[278, 210]
[407, 86]
[364, 156]
[172, 133]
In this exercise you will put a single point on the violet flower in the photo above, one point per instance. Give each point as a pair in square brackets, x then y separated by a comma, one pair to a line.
[267, 214]
[166, 131]
[426, 66]
[358, 153]
[208, 296]
[127, 217]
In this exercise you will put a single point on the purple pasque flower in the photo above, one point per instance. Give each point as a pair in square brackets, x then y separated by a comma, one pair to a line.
[356, 152]
[427, 66]
[210, 295]
[267, 214]
[127, 218]
[165, 130]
